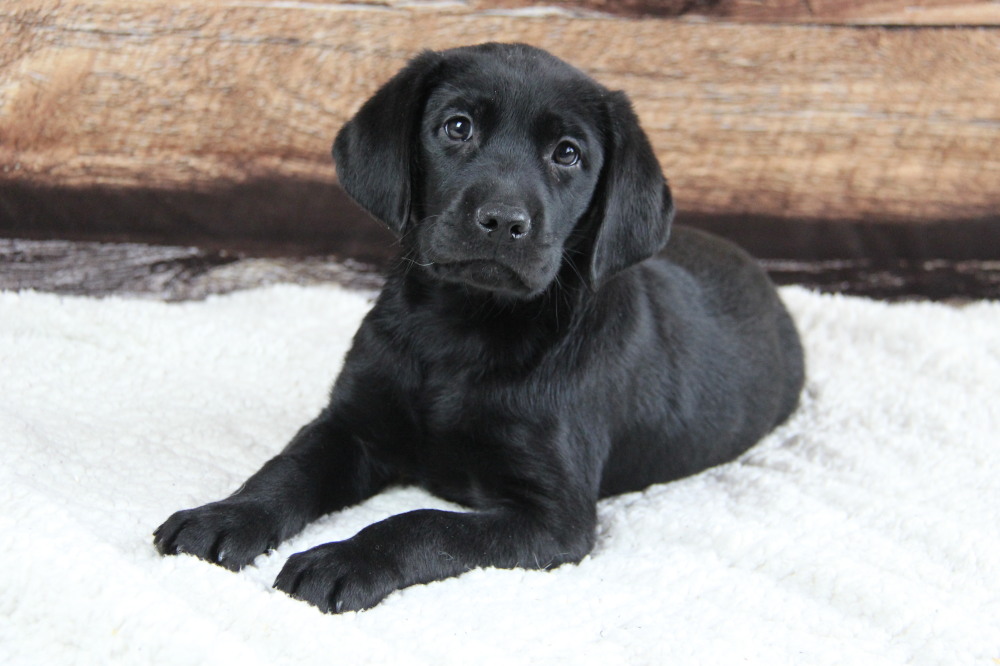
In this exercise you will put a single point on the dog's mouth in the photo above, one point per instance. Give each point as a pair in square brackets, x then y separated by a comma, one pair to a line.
[484, 274]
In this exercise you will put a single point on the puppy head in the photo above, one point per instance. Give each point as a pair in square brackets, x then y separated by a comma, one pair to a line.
[500, 164]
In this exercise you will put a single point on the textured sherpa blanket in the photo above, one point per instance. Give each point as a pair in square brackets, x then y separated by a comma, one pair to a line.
[864, 531]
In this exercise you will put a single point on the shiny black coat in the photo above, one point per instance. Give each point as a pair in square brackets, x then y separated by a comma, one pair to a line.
[534, 349]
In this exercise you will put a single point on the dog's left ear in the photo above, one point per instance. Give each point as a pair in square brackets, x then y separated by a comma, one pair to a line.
[632, 209]
[374, 151]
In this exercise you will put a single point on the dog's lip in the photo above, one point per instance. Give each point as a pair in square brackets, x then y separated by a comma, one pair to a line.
[483, 273]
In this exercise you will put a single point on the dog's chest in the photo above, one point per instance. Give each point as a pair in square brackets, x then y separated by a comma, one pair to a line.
[472, 434]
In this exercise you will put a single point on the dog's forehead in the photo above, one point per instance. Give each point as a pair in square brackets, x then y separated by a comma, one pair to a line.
[524, 82]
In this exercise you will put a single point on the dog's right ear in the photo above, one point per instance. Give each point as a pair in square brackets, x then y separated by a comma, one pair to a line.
[374, 151]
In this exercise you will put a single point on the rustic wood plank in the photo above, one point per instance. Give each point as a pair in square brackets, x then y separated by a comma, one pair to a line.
[183, 273]
[828, 12]
[788, 121]
[165, 272]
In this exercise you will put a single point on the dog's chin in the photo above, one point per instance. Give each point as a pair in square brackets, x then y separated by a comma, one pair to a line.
[488, 276]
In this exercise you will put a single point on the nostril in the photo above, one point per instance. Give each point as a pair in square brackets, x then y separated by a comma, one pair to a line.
[511, 222]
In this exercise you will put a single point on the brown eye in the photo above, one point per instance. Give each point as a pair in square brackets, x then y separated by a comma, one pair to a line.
[566, 154]
[458, 128]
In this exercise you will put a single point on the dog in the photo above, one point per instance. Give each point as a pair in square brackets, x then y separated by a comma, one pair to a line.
[534, 349]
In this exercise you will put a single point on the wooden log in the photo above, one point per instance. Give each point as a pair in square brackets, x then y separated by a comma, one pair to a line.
[803, 122]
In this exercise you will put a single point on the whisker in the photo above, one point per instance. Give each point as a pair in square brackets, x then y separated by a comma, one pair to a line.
[408, 261]
[572, 264]
[414, 261]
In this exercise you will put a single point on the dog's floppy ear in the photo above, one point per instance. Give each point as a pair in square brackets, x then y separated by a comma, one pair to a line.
[374, 151]
[632, 209]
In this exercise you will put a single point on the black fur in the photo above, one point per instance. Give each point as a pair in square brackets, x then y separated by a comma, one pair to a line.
[527, 355]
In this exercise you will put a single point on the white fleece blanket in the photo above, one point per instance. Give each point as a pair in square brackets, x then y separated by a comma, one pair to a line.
[864, 531]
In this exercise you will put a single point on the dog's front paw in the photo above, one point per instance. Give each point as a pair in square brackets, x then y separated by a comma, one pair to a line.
[230, 533]
[339, 577]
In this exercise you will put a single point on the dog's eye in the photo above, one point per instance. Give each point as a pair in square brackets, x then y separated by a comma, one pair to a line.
[566, 154]
[458, 128]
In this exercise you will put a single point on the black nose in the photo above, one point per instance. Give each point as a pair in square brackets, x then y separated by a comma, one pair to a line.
[512, 221]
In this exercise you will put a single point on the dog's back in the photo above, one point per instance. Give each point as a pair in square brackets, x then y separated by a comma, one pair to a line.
[720, 366]
[735, 285]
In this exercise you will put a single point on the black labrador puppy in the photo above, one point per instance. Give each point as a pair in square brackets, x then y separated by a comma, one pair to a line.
[527, 355]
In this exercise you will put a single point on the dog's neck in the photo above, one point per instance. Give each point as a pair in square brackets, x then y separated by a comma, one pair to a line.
[516, 332]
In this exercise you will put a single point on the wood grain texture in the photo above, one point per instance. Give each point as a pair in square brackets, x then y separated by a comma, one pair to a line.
[791, 121]
[176, 273]
[830, 12]
[172, 273]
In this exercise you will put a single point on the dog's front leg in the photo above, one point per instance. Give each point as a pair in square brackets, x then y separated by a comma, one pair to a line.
[427, 545]
[321, 470]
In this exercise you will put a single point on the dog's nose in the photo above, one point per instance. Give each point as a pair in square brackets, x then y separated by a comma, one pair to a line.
[512, 221]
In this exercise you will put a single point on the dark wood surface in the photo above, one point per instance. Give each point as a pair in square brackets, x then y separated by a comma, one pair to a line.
[300, 217]
[170, 273]
[184, 273]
